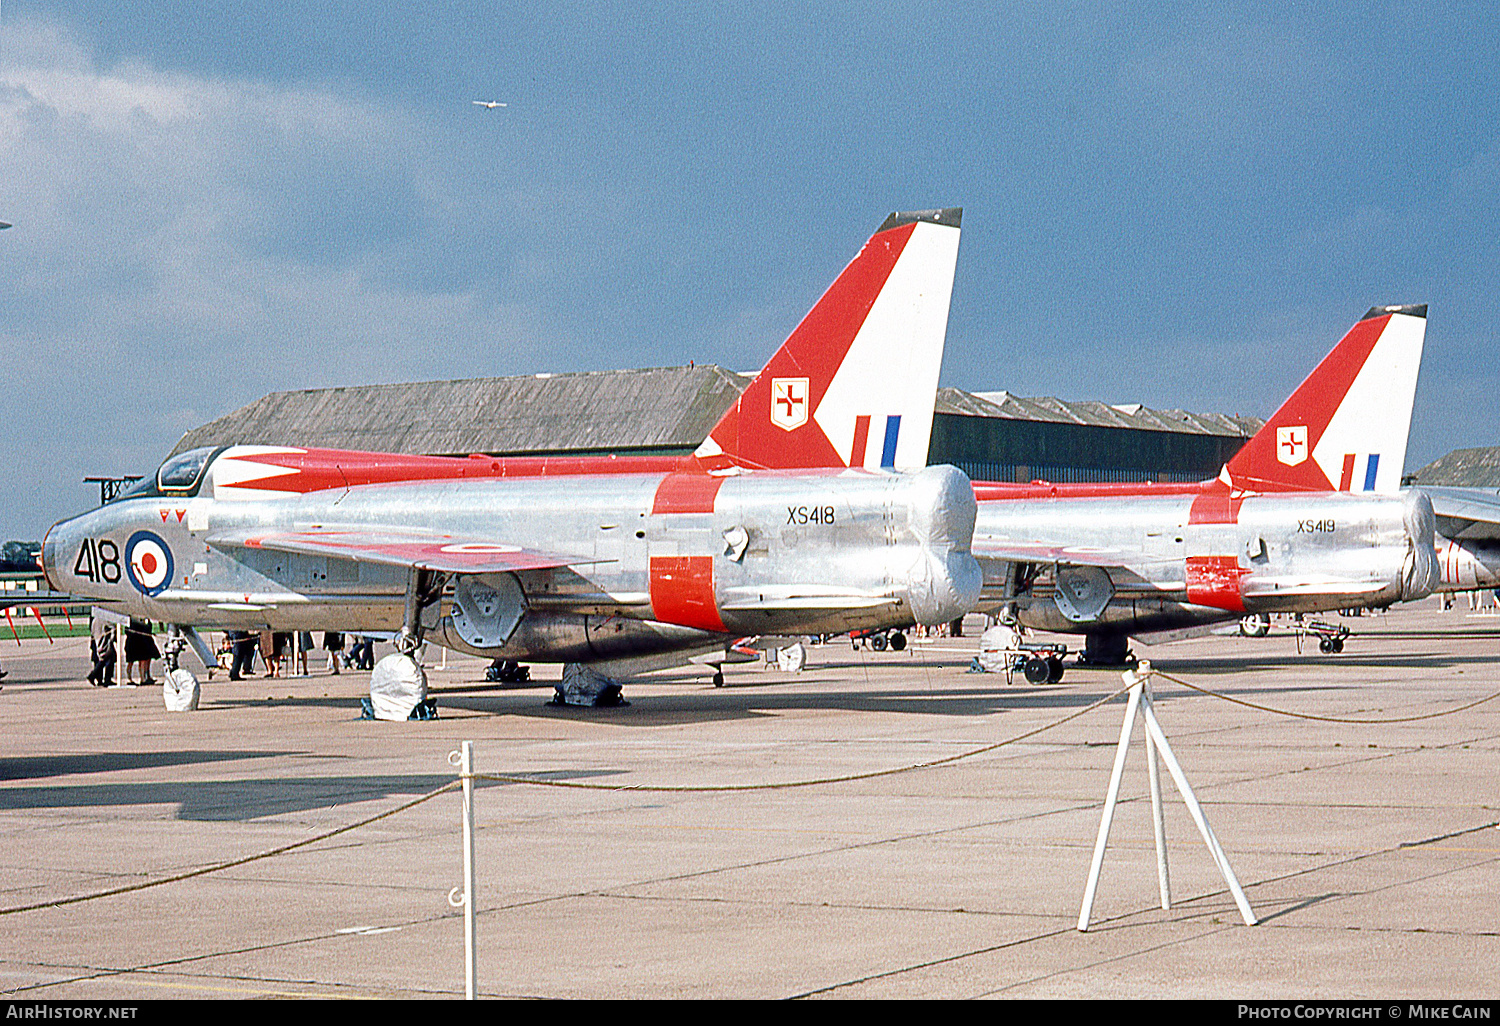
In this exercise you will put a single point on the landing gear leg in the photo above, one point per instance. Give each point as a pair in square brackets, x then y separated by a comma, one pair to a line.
[423, 588]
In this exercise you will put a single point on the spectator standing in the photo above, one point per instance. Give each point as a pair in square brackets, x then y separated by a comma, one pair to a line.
[140, 649]
[244, 655]
[102, 650]
[304, 646]
[333, 641]
[268, 654]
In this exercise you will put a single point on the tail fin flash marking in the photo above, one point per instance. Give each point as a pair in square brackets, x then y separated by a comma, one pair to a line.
[1358, 398]
[871, 346]
[861, 441]
[892, 434]
[1346, 479]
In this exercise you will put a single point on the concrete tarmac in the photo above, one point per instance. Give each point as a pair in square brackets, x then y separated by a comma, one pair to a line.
[1368, 850]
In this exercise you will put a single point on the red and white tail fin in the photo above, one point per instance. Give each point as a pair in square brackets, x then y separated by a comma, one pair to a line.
[1345, 427]
[856, 383]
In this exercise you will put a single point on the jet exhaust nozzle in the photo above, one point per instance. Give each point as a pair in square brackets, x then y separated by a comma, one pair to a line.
[1421, 573]
[946, 579]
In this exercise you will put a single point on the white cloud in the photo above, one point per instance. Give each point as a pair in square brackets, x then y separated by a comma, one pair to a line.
[185, 244]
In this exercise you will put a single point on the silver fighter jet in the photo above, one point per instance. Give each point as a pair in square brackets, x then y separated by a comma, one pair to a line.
[807, 510]
[1308, 516]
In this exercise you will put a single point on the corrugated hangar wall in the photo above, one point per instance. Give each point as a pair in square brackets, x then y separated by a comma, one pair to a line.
[1019, 450]
[990, 436]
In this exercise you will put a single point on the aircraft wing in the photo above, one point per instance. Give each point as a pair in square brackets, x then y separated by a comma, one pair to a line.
[1466, 514]
[394, 547]
[11, 599]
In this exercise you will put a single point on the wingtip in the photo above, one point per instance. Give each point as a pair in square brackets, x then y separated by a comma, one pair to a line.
[950, 216]
[1416, 310]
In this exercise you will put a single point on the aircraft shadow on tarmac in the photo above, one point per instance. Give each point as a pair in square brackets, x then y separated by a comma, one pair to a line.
[1306, 663]
[241, 800]
[690, 702]
[32, 767]
[697, 704]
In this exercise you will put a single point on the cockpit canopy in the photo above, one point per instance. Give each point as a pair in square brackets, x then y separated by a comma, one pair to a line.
[179, 475]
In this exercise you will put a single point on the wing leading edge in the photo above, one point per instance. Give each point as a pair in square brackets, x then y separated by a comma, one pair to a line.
[441, 552]
[1466, 514]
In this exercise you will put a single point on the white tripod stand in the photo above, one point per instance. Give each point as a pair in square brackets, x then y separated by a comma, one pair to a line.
[1140, 701]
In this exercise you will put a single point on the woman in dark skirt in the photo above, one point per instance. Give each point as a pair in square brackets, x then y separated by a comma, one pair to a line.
[269, 653]
[140, 648]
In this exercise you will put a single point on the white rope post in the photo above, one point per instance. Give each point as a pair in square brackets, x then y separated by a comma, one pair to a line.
[1156, 741]
[1158, 823]
[464, 760]
[1199, 819]
[1109, 804]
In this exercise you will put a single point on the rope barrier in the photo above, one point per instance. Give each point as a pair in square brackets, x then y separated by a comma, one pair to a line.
[58, 903]
[510, 779]
[1324, 719]
[711, 789]
[872, 774]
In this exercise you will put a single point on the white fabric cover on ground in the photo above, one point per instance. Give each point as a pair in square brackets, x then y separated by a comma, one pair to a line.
[792, 658]
[179, 690]
[397, 684]
[993, 645]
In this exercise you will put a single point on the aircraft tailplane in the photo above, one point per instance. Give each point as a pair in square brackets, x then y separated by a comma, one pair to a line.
[856, 383]
[1345, 427]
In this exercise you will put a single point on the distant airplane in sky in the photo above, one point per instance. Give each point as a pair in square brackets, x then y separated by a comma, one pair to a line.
[3, 226]
[491, 104]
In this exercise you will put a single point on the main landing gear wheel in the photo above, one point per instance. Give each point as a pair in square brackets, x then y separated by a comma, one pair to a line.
[718, 678]
[1256, 625]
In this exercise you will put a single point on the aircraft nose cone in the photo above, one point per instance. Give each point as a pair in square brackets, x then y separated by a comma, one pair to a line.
[49, 558]
[59, 544]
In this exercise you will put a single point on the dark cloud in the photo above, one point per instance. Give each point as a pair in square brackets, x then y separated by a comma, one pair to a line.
[1184, 205]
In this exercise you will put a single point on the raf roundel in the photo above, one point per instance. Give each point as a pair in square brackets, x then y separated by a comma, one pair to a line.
[148, 562]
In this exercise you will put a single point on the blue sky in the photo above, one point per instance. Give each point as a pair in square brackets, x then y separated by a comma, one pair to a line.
[1183, 205]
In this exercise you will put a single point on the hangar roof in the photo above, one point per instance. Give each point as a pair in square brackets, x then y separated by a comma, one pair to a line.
[1098, 414]
[1463, 468]
[662, 409]
[659, 408]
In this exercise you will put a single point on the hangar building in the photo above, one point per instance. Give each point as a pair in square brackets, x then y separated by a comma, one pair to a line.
[670, 410]
[1462, 468]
